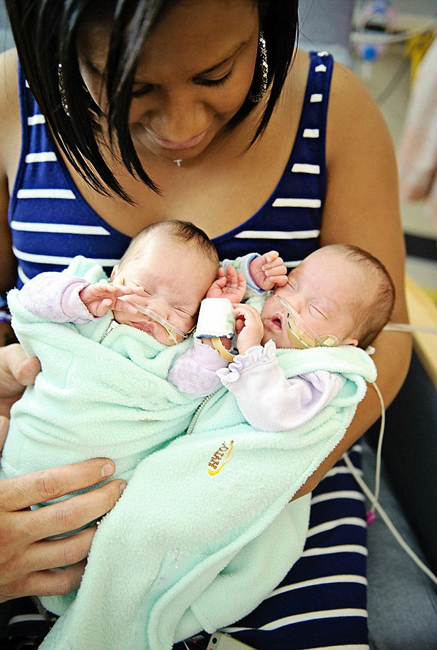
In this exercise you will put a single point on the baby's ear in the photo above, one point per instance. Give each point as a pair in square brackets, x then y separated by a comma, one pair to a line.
[353, 342]
[114, 272]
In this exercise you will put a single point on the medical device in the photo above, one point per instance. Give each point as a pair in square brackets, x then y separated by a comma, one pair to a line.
[216, 321]
[374, 496]
[174, 333]
[300, 334]
[220, 641]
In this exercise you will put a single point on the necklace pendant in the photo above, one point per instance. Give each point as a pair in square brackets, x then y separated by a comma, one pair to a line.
[178, 162]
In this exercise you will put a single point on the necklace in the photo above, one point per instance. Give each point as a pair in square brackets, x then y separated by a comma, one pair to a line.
[178, 162]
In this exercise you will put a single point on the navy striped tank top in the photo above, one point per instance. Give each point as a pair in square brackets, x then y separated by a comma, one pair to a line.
[322, 601]
[51, 222]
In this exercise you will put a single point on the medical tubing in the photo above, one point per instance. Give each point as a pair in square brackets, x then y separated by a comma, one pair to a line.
[379, 447]
[388, 522]
[373, 497]
[403, 327]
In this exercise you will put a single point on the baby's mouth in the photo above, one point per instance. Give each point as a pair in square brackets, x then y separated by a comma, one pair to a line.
[276, 322]
[145, 326]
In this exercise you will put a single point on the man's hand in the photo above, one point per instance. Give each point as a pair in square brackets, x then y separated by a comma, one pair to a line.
[230, 285]
[17, 370]
[28, 560]
[268, 271]
[248, 327]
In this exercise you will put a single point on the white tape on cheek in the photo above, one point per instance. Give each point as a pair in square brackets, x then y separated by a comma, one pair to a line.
[216, 318]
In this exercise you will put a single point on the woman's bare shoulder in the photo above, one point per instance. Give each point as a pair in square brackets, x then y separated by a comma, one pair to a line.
[353, 111]
[9, 107]
[8, 81]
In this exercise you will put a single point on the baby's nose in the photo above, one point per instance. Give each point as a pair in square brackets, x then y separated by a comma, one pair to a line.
[159, 305]
[296, 301]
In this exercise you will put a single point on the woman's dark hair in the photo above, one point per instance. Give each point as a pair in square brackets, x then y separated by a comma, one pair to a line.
[45, 35]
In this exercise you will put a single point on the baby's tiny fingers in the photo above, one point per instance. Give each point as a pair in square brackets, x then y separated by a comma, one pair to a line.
[279, 280]
[280, 269]
[271, 256]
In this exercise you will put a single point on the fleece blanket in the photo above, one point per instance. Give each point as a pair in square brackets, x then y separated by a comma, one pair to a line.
[102, 392]
[203, 531]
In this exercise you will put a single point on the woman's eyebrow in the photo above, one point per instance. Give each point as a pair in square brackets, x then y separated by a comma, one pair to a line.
[216, 66]
[223, 61]
[102, 73]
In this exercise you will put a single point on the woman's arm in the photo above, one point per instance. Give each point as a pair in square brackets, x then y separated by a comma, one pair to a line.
[362, 208]
[28, 562]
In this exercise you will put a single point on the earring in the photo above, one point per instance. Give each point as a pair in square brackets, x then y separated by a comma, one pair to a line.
[264, 71]
[61, 88]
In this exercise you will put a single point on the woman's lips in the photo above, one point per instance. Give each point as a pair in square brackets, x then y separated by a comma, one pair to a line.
[178, 146]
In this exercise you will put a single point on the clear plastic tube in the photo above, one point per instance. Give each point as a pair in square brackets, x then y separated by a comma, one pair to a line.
[302, 336]
[175, 334]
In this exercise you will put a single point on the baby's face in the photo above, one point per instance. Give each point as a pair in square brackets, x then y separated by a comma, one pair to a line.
[323, 290]
[175, 277]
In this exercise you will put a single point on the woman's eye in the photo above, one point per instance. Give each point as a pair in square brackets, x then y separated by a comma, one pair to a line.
[144, 90]
[214, 82]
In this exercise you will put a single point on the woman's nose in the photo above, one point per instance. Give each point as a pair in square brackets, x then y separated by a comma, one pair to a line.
[179, 117]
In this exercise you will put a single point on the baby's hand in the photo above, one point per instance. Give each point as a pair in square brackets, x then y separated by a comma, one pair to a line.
[100, 297]
[248, 327]
[230, 285]
[268, 271]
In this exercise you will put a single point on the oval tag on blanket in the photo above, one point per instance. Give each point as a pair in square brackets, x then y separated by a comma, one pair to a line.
[220, 457]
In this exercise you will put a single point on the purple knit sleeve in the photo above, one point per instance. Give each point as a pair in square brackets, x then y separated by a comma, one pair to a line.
[194, 372]
[55, 297]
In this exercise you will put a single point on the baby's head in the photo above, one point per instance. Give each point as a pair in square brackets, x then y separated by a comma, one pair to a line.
[338, 290]
[175, 263]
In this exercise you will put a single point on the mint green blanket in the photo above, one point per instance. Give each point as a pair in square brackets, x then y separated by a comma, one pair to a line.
[93, 399]
[203, 531]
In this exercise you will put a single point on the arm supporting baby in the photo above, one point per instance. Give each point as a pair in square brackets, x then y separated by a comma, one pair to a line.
[28, 561]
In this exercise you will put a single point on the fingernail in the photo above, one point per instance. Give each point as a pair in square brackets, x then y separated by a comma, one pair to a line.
[122, 488]
[107, 470]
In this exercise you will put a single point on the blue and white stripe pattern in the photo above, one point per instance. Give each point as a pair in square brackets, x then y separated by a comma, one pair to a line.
[322, 601]
[49, 219]
[51, 222]
[321, 604]
[290, 219]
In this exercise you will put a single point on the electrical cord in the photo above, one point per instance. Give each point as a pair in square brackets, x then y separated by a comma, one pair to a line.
[374, 496]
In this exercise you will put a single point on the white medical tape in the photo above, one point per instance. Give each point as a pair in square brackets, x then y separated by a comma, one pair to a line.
[216, 318]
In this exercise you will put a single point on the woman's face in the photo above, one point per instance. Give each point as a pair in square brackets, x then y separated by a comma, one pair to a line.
[193, 76]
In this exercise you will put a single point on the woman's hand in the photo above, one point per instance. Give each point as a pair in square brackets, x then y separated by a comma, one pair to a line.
[17, 370]
[28, 561]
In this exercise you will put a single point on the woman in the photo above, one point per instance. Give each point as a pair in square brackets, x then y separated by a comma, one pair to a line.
[191, 110]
